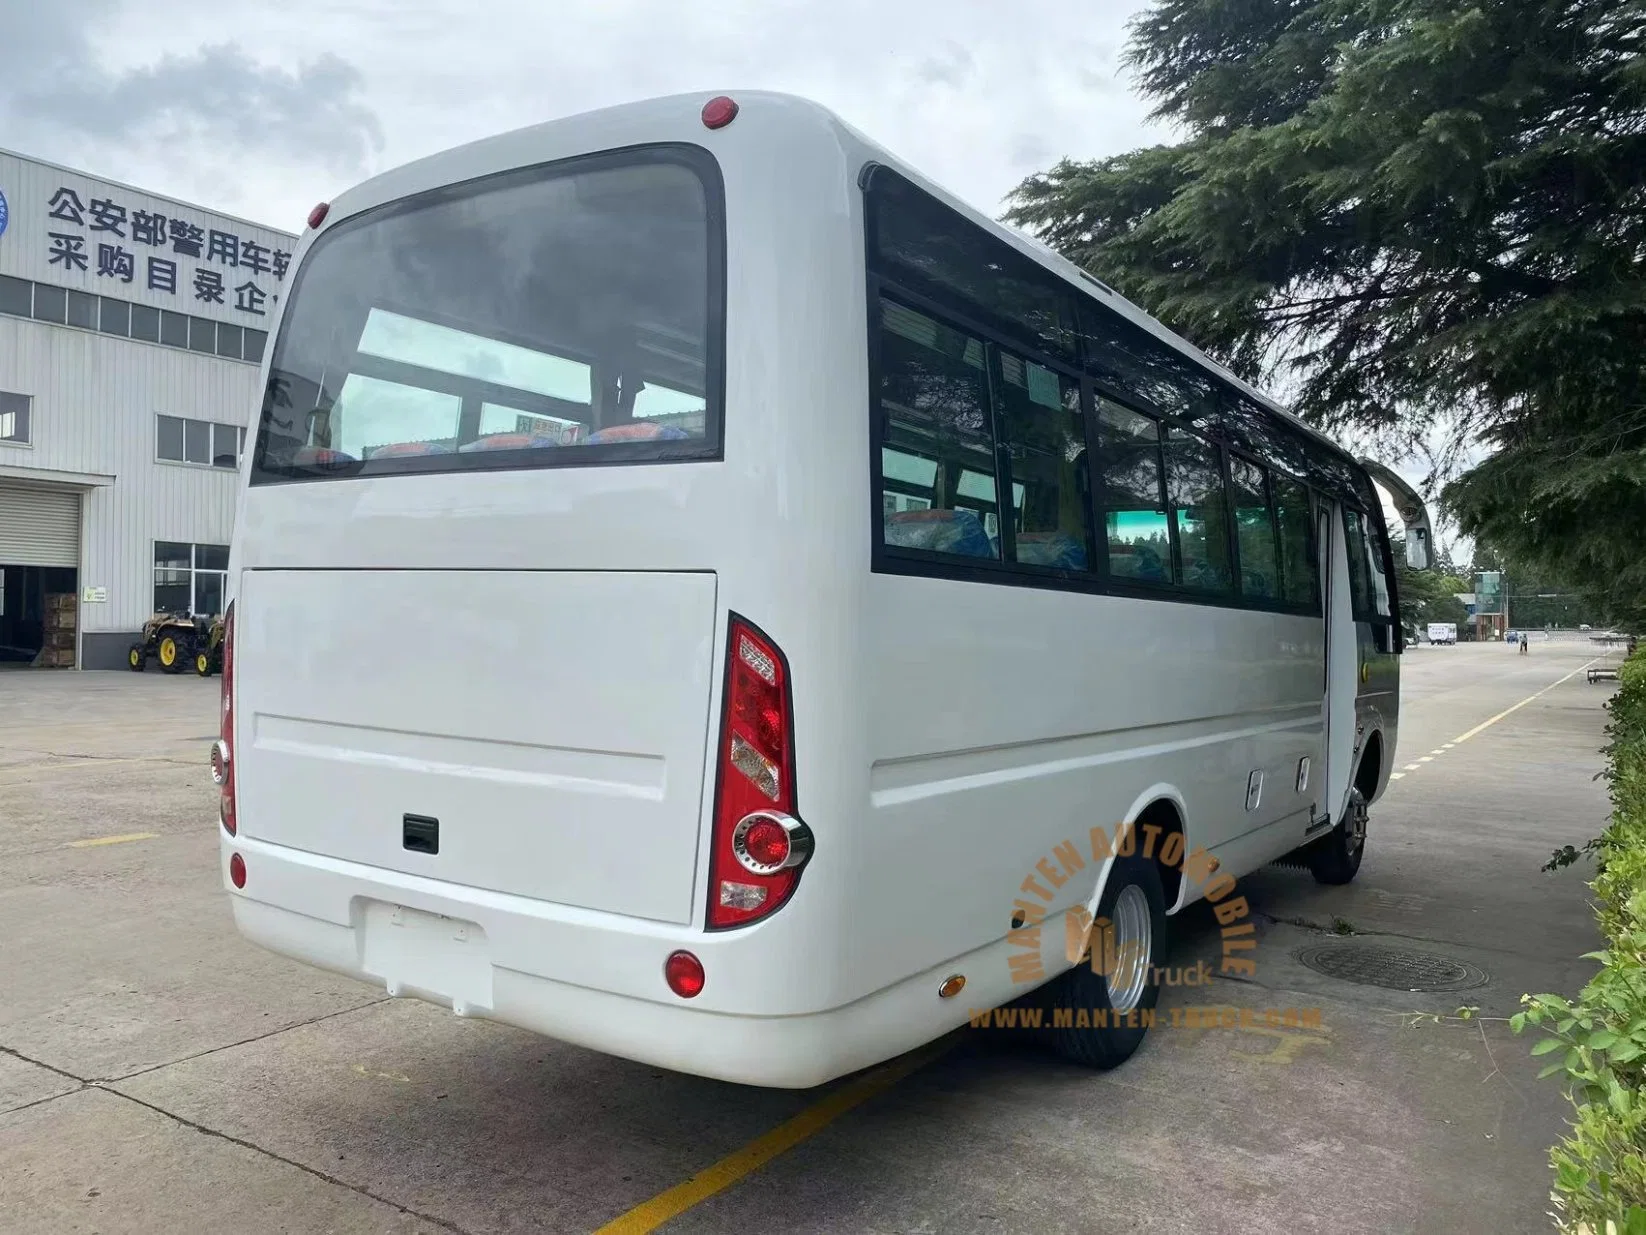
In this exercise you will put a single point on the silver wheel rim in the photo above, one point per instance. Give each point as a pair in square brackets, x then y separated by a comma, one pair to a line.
[1354, 823]
[1133, 949]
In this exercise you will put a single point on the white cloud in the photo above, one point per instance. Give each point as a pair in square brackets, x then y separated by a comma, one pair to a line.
[262, 110]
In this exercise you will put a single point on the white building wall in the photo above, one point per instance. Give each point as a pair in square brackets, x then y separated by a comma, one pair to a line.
[95, 396]
[95, 404]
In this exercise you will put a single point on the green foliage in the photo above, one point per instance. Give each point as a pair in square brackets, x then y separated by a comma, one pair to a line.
[1597, 1042]
[1407, 212]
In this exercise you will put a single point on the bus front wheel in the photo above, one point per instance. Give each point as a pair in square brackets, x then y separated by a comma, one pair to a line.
[1336, 856]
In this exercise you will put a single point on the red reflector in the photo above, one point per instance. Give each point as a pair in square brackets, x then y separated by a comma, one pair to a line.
[317, 216]
[718, 112]
[767, 842]
[684, 973]
[237, 874]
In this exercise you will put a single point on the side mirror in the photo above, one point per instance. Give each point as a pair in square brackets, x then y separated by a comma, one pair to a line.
[1414, 514]
[1418, 556]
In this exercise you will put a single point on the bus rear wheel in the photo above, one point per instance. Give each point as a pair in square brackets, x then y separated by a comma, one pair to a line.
[1096, 1019]
[1335, 857]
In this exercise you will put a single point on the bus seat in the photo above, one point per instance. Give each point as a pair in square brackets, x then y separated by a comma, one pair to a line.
[941, 531]
[507, 441]
[401, 450]
[1055, 549]
[639, 431]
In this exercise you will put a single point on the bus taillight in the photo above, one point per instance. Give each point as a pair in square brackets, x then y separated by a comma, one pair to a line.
[759, 843]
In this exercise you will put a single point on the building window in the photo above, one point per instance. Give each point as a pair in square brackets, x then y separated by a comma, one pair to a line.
[107, 315]
[14, 419]
[189, 578]
[198, 441]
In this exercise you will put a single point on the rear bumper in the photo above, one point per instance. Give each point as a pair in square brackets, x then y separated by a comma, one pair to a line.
[595, 980]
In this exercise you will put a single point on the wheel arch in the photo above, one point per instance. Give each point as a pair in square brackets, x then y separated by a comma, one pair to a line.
[1162, 806]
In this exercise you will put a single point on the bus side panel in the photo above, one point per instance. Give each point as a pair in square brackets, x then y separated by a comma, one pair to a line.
[1007, 722]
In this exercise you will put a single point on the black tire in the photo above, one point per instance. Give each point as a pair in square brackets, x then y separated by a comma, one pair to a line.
[136, 658]
[1335, 858]
[170, 645]
[1107, 1045]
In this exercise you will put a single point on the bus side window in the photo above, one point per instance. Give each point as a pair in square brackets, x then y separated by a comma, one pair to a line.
[1299, 565]
[1038, 413]
[1360, 586]
[1255, 529]
[1134, 511]
[1195, 483]
[938, 484]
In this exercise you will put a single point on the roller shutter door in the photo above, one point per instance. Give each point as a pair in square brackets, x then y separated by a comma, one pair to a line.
[39, 527]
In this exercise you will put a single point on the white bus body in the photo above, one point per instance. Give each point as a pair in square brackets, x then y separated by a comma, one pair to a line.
[476, 743]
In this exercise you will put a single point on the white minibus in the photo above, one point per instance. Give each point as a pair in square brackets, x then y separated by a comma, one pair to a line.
[701, 592]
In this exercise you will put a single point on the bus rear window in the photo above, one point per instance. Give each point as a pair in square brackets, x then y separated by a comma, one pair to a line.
[546, 317]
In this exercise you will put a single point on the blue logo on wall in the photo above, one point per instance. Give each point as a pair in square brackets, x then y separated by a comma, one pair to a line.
[5, 214]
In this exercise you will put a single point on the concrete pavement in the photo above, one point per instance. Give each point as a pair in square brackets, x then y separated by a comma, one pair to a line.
[158, 1074]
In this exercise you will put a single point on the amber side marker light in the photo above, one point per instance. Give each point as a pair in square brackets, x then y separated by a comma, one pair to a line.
[952, 986]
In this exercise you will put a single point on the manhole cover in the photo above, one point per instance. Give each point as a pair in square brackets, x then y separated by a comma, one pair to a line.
[1396, 969]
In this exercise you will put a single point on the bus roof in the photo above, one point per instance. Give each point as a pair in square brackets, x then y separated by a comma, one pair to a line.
[678, 117]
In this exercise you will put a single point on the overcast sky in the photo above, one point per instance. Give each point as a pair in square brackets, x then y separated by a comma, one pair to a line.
[263, 109]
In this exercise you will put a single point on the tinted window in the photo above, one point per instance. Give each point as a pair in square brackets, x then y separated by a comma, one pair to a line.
[1259, 555]
[938, 489]
[51, 304]
[174, 329]
[208, 593]
[224, 451]
[1195, 485]
[920, 235]
[228, 340]
[173, 588]
[169, 438]
[211, 557]
[1038, 414]
[82, 310]
[539, 318]
[16, 296]
[1299, 571]
[254, 345]
[1140, 546]
[1360, 573]
[202, 335]
[196, 441]
[1139, 365]
[14, 417]
[145, 323]
[116, 317]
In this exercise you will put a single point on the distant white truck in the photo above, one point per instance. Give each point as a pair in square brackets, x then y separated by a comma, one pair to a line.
[1442, 632]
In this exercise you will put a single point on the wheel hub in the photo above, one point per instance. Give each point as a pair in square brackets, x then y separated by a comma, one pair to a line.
[1354, 822]
[1133, 949]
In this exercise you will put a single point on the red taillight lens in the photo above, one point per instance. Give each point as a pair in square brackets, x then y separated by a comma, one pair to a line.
[223, 751]
[237, 870]
[684, 974]
[759, 845]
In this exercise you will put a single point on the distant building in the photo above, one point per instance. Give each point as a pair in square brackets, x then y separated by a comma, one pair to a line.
[131, 329]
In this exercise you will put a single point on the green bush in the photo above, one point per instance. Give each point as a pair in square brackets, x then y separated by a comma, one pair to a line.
[1598, 1040]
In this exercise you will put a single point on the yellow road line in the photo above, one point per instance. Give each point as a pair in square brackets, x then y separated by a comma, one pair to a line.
[95, 841]
[649, 1215]
[1487, 724]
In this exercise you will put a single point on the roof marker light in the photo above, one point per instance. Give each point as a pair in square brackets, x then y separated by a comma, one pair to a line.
[317, 216]
[718, 112]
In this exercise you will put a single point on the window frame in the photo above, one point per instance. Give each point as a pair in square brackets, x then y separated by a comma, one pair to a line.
[192, 573]
[904, 285]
